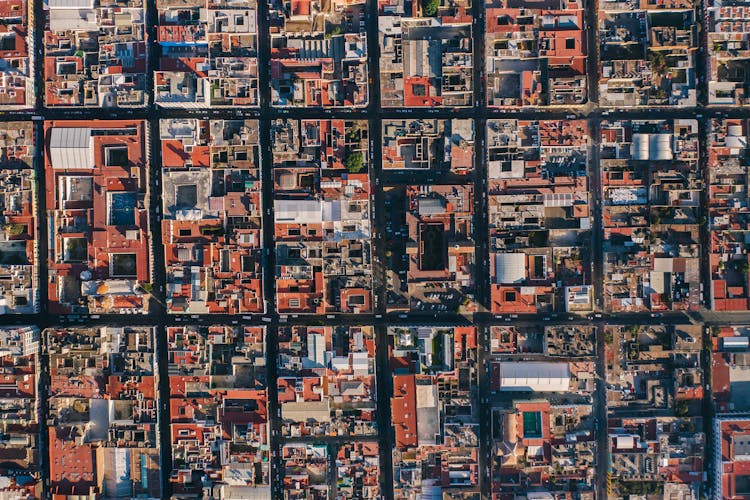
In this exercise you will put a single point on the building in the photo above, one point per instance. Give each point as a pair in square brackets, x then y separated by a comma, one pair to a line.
[357, 471]
[426, 57]
[429, 145]
[305, 471]
[19, 281]
[318, 54]
[431, 227]
[102, 412]
[434, 411]
[95, 54]
[218, 400]
[651, 190]
[647, 55]
[656, 367]
[534, 376]
[212, 225]
[547, 448]
[327, 381]
[731, 458]
[728, 54]
[535, 56]
[209, 54]
[538, 216]
[322, 216]
[656, 455]
[97, 177]
[728, 215]
[20, 411]
[16, 67]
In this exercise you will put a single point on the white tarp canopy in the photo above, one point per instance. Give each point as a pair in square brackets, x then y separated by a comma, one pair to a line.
[510, 268]
[534, 376]
[735, 342]
[625, 442]
[331, 210]
[64, 19]
[652, 147]
[71, 148]
[70, 4]
[304, 411]
[298, 211]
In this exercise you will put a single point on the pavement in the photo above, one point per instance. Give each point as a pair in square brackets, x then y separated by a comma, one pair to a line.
[158, 316]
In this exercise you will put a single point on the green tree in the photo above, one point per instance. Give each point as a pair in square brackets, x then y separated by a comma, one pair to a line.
[354, 162]
[353, 134]
[681, 408]
[657, 60]
[430, 7]
[14, 229]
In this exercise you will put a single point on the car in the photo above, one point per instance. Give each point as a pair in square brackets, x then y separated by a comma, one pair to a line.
[656, 315]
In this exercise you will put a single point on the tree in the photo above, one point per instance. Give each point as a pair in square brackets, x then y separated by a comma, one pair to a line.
[353, 134]
[333, 31]
[681, 408]
[608, 337]
[354, 162]
[14, 229]
[658, 61]
[430, 7]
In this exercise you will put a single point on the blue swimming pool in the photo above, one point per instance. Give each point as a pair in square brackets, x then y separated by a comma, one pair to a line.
[122, 209]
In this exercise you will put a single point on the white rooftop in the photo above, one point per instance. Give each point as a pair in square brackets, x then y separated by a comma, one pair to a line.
[71, 148]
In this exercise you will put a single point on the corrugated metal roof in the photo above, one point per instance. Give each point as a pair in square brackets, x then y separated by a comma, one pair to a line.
[431, 206]
[534, 376]
[71, 148]
[510, 268]
[298, 211]
[70, 4]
